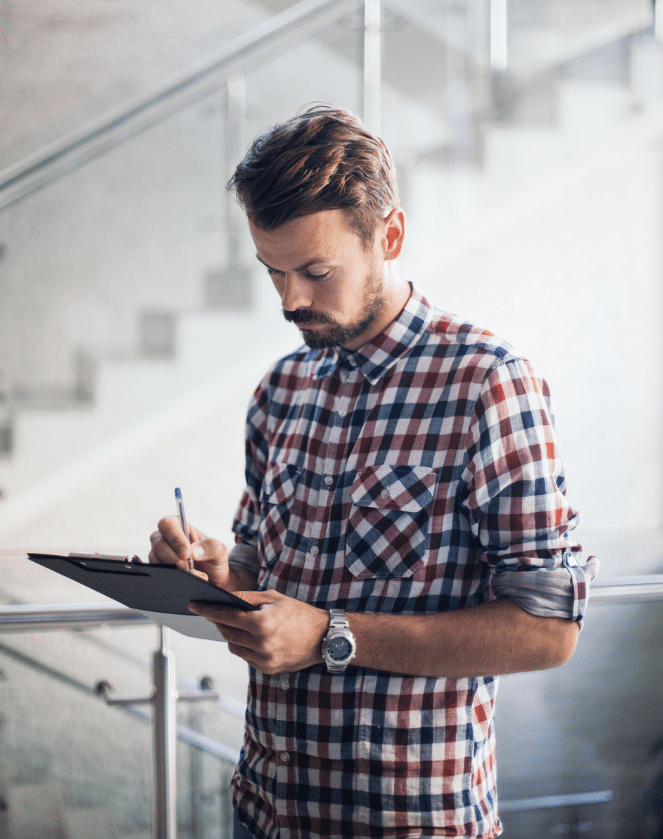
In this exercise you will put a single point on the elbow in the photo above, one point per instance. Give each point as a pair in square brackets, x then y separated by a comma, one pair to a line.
[561, 643]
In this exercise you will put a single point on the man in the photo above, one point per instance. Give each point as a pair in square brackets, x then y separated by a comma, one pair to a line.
[404, 524]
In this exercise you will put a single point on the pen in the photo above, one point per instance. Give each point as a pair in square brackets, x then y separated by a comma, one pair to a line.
[180, 510]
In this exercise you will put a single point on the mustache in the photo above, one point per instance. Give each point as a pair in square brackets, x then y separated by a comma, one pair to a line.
[302, 316]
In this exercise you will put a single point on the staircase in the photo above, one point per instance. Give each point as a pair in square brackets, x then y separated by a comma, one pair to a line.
[136, 237]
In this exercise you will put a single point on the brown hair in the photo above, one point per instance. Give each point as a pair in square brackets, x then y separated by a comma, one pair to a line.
[321, 159]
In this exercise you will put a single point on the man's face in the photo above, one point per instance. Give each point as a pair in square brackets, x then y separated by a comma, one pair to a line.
[330, 284]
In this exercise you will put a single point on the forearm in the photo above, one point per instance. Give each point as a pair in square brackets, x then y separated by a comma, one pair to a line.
[491, 639]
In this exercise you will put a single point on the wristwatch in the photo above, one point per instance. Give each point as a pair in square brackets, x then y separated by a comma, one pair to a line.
[339, 646]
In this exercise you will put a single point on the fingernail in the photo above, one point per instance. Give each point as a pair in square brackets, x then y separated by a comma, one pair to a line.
[197, 552]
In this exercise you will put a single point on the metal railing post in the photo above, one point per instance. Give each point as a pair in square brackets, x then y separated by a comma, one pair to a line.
[234, 145]
[231, 286]
[373, 65]
[165, 740]
[287, 28]
[499, 36]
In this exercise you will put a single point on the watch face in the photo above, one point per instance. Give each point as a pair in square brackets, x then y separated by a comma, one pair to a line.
[338, 648]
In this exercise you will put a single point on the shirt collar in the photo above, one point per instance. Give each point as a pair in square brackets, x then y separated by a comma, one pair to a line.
[378, 355]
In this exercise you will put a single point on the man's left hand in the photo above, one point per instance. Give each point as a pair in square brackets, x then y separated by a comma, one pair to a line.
[283, 636]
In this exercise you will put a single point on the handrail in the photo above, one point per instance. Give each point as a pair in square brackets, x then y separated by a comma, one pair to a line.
[640, 589]
[305, 19]
[20, 617]
[16, 618]
[163, 698]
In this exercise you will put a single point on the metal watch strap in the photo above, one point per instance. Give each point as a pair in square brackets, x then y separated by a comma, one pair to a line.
[338, 625]
[338, 619]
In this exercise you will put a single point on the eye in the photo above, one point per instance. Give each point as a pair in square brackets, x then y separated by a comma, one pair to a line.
[274, 273]
[316, 275]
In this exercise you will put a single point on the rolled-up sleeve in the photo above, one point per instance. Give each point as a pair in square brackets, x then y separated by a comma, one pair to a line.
[516, 499]
[244, 557]
[549, 592]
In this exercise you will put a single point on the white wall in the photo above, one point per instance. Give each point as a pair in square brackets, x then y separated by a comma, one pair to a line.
[569, 271]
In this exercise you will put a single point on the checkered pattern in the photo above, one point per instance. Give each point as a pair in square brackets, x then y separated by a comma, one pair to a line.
[407, 477]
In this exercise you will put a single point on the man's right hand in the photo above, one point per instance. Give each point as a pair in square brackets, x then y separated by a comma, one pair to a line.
[171, 547]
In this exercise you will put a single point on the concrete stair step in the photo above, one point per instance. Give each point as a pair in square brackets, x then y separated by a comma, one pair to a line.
[34, 811]
[132, 390]
[92, 823]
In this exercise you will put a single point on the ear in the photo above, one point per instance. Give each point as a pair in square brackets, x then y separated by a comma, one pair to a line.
[393, 234]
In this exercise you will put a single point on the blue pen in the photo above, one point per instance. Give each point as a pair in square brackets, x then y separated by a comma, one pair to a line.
[180, 509]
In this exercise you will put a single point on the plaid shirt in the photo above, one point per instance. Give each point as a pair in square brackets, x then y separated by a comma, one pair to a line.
[418, 474]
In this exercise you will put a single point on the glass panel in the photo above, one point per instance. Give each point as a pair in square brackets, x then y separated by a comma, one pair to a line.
[592, 730]
[116, 297]
[115, 301]
[92, 763]
[62, 67]
[67, 757]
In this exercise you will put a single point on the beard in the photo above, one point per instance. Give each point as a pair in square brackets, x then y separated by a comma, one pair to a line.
[335, 334]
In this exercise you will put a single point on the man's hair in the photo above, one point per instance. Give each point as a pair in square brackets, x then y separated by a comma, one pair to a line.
[321, 159]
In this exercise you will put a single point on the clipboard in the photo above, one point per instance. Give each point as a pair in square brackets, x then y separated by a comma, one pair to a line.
[161, 592]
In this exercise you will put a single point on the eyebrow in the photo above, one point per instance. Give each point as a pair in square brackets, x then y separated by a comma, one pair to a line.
[303, 267]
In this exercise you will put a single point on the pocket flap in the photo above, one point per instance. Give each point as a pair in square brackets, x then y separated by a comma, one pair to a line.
[406, 488]
[279, 482]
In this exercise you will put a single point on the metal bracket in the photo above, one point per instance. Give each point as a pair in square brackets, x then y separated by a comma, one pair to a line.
[105, 691]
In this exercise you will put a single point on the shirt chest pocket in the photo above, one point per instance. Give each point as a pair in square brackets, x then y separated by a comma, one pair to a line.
[388, 528]
[276, 500]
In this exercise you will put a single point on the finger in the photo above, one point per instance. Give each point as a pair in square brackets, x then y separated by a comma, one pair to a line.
[260, 660]
[208, 550]
[195, 535]
[162, 552]
[249, 656]
[238, 637]
[170, 529]
[222, 615]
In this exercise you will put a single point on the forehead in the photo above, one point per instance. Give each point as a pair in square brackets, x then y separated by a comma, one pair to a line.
[324, 236]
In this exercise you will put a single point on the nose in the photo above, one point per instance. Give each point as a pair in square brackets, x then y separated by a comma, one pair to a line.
[294, 292]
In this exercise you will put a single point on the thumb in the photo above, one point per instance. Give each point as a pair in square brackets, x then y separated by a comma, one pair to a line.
[209, 550]
[260, 598]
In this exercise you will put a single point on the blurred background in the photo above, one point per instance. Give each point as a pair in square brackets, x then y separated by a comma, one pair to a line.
[135, 323]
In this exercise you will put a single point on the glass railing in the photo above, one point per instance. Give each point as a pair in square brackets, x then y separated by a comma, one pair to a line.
[579, 749]
[118, 255]
[128, 280]
[109, 233]
[103, 724]
[127, 220]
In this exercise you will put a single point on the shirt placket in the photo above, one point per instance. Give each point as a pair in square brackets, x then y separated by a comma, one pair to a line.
[330, 460]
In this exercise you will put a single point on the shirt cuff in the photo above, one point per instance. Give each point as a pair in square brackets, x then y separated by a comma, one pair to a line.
[244, 557]
[560, 592]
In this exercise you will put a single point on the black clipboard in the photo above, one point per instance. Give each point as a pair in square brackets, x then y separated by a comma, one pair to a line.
[161, 592]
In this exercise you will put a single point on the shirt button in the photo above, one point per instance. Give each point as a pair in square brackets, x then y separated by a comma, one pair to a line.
[384, 493]
[285, 757]
[342, 412]
[328, 480]
[314, 551]
[284, 683]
